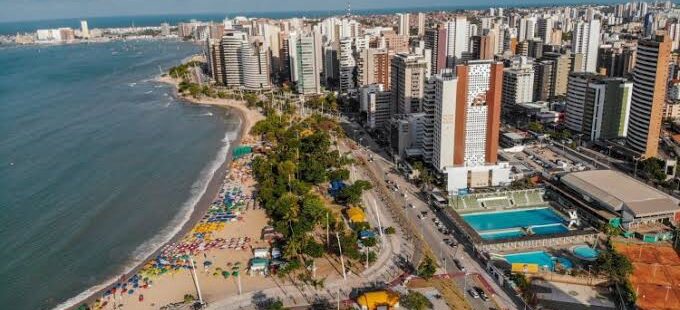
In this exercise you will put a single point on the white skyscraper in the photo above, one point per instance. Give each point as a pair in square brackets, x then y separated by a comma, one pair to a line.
[527, 28]
[421, 24]
[304, 58]
[457, 39]
[347, 65]
[84, 29]
[403, 24]
[586, 41]
[232, 42]
[255, 62]
[518, 82]
[445, 91]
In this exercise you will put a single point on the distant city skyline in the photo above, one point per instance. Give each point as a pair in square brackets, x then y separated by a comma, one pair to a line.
[30, 10]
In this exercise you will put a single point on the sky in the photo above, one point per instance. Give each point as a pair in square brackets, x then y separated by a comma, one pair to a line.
[20, 10]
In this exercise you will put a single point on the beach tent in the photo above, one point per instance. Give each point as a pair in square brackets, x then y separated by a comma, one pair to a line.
[261, 252]
[365, 234]
[259, 264]
[378, 300]
[336, 187]
[356, 215]
[241, 151]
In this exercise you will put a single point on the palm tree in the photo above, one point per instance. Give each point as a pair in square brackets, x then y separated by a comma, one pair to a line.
[426, 178]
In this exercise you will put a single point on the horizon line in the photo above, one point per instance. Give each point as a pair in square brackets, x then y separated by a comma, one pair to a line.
[299, 13]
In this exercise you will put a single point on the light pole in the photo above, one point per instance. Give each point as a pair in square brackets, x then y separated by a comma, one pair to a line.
[465, 282]
[193, 274]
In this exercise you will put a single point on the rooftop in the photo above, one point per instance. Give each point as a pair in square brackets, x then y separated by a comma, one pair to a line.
[615, 190]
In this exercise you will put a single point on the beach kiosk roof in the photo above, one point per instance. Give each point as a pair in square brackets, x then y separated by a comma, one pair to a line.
[356, 215]
[378, 300]
[258, 263]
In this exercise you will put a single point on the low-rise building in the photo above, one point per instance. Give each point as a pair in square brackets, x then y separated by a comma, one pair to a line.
[634, 202]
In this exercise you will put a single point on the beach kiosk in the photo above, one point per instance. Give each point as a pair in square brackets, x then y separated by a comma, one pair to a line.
[378, 300]
[258, 265]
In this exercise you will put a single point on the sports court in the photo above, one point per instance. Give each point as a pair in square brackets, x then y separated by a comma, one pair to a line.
[656, 275]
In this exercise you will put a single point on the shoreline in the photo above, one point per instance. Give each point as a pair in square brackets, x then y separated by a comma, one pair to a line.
[247, 118]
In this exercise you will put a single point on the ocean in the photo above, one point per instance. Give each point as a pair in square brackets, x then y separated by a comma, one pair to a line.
[99, 164]
[14, 27]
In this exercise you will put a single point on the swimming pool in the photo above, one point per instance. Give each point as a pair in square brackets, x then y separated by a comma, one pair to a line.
[585, 252]
[515, 223]
[540, 258]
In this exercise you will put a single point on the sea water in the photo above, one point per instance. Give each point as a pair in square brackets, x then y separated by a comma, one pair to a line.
[99, 164]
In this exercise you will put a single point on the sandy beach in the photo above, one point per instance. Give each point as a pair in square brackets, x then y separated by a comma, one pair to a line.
[248, 119]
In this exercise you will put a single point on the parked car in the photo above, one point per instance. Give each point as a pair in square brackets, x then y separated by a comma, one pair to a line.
[473, 293]
[481, 293]
[459, 265]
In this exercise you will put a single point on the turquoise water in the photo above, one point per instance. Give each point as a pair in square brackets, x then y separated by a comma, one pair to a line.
[585, 252]
[549, 229]
[509, 224]
[502, 234]
[98, 164]
[541, 258]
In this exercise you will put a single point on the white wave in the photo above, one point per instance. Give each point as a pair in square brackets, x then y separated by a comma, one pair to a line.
[140, 254]
[148, 92]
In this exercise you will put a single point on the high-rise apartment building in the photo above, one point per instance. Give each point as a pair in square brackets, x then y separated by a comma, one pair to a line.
[256, 66]
[376, 102]
[435, 41]
[232, 41]
[650, 78]
[421, 24]
[84, 29]
[304, 66]
[586, 41]
[347, 65]
[561, 64]
[476, 122]
[597, 106]
[456, 39]
[444, 87]
[518, 82]
[374, 67]
[407, 82]
[527, 28]
[545, 29]
[403, 24]
[543, 79]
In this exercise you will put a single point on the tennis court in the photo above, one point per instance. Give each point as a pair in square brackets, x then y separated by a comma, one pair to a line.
[656, 275]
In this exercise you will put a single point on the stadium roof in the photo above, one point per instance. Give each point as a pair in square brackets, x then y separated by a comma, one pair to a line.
[615, 190]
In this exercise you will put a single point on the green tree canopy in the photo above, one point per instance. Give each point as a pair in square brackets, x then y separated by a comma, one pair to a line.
[415, 301]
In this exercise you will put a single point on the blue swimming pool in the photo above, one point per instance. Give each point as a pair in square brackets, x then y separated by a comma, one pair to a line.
[515, 223]
[495, 235]
[585, 252]
[541, 258]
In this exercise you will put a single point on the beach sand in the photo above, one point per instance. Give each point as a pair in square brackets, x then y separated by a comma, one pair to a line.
[171, 287]
[248, 118]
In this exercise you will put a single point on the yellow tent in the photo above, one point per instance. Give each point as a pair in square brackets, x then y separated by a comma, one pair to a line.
[524, 268]
[356, 215]
[378, 299]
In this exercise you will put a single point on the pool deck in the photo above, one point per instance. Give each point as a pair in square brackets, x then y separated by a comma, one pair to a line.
[587, 235]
